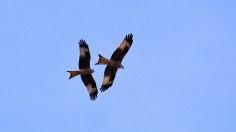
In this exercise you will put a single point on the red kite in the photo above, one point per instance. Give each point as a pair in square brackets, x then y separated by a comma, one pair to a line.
[115, 62]
[85, 71]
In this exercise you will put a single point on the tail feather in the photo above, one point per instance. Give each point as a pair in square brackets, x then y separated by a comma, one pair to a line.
[73, 73]
[102, 60]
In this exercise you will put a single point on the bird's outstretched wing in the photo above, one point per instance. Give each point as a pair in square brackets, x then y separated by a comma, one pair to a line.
[108, 78]
[122, 49]
[84, 57]
[90, 84]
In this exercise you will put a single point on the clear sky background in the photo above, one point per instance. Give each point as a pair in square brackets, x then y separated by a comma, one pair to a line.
[179, 76]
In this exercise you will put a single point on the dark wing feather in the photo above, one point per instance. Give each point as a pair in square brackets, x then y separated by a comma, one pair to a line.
[108, 78]
[84, 58]
[123, 48]
[91, 86]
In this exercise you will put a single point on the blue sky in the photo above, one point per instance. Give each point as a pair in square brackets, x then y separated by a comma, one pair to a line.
[179, 74]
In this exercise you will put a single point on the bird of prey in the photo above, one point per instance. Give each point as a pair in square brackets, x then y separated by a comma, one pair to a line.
[85, 71]
[115, 62]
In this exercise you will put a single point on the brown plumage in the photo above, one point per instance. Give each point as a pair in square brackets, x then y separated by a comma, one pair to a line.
[115, 62]
[85, 71]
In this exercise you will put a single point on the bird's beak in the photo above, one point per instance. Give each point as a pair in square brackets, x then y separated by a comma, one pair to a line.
[122, 66]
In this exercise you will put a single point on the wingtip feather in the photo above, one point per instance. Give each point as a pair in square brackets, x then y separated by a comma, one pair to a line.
[129, 38]
[93, 95]
[105, 87]
[82, 43]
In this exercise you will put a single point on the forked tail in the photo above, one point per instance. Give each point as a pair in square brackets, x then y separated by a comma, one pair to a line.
[73, 73]
[102, 60]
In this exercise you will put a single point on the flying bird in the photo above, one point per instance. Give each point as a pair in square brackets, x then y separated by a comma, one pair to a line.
[115, 62]
[85, 71]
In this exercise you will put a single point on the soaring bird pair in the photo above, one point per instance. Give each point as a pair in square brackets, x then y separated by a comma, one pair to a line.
[110, 72]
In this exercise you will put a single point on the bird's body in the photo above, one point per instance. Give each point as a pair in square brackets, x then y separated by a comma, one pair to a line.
[80, 72]
[103, 60]
[115, 62]
[85, 71]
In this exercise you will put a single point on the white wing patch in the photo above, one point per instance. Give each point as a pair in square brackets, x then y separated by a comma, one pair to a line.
[90, 88]
[106, 80]
[83, 50]
[124, 44]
